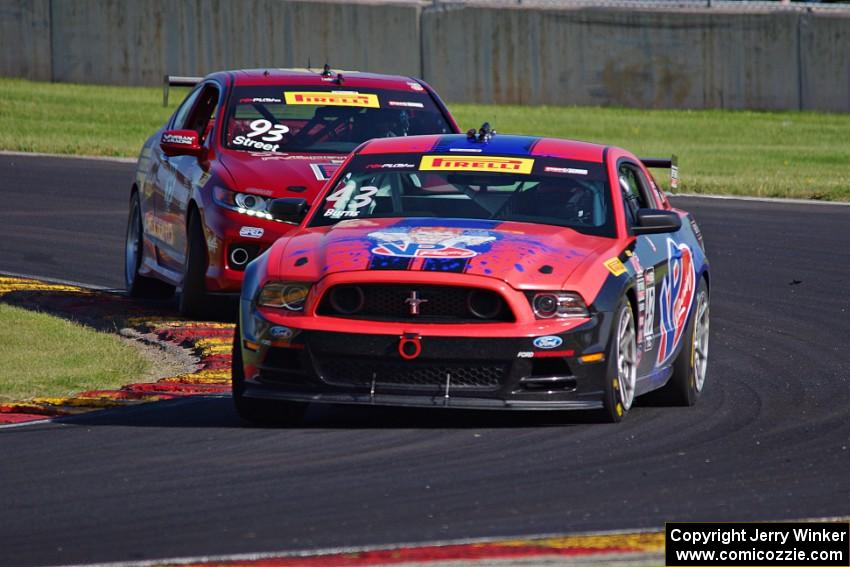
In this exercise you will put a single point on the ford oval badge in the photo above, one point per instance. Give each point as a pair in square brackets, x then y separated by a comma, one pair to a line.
[281, 332]
[550, 341]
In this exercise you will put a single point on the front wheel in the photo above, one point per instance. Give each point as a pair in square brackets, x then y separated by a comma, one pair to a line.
[193, 295]
[256, 411]
[691, 365]
[136, 284]
[621, 377]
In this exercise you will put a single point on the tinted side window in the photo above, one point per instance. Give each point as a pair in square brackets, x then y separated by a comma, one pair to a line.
[633, 197]
[183, 111]
[201, 118]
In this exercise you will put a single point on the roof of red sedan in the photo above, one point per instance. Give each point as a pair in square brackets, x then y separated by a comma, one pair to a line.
[497, 145]
[260, 77]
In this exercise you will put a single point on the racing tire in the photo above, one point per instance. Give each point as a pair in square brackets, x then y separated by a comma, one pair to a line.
[691, 364]
[194, 302]
[621, 373]
[136, 284]
[255, 411]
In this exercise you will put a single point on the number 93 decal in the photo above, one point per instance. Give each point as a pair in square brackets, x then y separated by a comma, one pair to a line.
[267, 131]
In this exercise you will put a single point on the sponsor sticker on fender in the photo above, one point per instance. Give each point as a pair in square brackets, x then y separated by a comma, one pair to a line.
[476, 163]
[333, 99]
[615, 266]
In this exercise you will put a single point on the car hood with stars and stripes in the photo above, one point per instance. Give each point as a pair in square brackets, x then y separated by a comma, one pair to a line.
[522, 255]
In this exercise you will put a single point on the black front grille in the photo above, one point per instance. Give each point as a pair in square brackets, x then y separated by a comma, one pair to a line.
[436, 303]
[414, 375]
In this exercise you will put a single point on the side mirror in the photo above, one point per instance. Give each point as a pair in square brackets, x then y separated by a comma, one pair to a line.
[656, 221]
[289, 209]
[181, 143]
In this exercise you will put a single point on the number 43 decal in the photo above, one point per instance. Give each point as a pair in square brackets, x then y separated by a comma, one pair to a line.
[362, 199]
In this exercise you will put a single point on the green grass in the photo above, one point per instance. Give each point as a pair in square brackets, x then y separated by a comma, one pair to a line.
[774, 154]
[770, 154]
[42, 355]
[80, 119]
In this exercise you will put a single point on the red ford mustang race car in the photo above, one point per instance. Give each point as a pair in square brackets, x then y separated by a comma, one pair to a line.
[198, 207]
[477, 272]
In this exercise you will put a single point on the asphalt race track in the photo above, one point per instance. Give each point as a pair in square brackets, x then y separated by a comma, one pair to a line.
[768, 441]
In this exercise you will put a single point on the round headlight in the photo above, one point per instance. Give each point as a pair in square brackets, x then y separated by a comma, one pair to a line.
[250, 202]
[545, 305]
[293, 296]
[281, 294]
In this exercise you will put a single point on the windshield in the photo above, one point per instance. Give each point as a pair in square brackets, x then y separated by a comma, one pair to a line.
[535, 190]
[327, 120]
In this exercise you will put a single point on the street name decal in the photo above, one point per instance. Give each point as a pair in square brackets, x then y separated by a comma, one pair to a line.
[476, 163]
[333, 99]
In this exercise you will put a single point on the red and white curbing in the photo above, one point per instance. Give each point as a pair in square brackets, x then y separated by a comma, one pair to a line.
[209, 341]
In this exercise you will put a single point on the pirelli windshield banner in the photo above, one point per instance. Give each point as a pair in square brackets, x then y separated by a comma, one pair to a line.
[757, 544]
[332, 99]
[477, 165]
[492, 164]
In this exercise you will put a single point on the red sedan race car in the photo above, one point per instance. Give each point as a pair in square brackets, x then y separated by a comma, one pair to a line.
[199, 204]
[483, 272]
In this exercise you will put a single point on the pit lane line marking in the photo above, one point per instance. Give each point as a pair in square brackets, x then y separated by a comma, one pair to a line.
[69, 156]
[333, 551]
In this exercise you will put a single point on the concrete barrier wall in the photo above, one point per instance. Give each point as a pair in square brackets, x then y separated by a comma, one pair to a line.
[825, 62]
[25, 39]
[133, 42]
[606, 57]
[652, 59]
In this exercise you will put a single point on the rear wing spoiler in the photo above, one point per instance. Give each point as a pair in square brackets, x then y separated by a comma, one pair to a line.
[176, 81]
[671, 163]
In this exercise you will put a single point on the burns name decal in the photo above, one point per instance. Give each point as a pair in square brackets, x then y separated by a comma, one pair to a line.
[434, 242]
[675, 298]
[476, 163]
